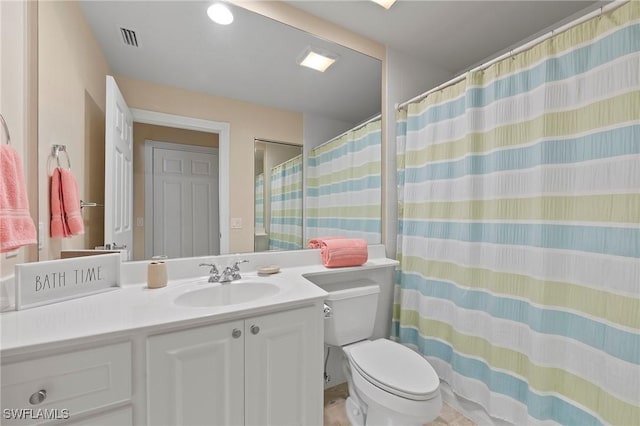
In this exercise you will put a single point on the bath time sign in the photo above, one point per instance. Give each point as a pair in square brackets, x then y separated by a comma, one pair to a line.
[41, 283]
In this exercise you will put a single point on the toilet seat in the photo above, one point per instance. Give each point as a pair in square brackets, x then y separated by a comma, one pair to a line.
[394, 368]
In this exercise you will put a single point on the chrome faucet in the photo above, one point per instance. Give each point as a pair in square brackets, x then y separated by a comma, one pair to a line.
[232, 273]
[214, 275]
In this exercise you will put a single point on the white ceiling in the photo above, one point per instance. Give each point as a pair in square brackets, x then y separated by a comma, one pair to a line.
[254, 58]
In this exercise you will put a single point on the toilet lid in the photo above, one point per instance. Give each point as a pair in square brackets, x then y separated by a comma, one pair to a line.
[395, 368]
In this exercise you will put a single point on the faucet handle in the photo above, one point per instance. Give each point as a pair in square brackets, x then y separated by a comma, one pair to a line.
[214, 268]
[235, 267]
[214, 275]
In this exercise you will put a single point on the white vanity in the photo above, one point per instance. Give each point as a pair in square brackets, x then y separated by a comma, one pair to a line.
[135, 356]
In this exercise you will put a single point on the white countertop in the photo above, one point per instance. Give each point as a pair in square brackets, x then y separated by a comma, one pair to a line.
[134, 308]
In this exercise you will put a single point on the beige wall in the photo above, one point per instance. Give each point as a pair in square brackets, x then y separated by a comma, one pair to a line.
[12, 87]
[18, 32]
[247, 121]
[71, 89]
[141, 133]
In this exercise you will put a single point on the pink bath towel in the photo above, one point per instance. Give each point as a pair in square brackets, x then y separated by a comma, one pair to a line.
[344, 252]
[316, 243]
[71, 202]
[16, 226]
[66, 219]
[58, 226]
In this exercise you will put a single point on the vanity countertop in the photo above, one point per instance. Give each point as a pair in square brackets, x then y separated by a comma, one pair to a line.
[134, 308]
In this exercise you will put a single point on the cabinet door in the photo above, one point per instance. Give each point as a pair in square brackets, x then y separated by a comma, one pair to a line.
[283, 368]
[196, 376]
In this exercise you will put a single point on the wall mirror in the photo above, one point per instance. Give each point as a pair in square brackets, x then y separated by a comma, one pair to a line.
[168, 57]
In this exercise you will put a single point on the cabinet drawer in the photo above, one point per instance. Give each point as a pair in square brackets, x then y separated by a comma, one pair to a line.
[76, 381]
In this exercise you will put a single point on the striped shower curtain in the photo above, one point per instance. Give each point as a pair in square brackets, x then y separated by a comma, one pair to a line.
[285, 223]
[259, 202]
[344, 186]
[519, 229]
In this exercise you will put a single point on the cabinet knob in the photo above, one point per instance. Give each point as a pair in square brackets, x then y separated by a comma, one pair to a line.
[38, 397]
[236, 333]
[255, 329]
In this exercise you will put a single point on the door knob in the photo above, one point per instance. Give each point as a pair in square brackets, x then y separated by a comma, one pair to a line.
[38, 397]
[236, 333]
[255, 329]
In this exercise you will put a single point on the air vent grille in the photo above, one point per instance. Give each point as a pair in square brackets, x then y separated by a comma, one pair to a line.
[129, 37]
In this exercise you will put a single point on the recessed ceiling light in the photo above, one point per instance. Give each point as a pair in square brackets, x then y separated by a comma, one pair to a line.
[220, 14]
[385, 3]
[316, 59]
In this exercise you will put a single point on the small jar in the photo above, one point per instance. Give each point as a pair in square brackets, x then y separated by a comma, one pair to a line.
[157, 275]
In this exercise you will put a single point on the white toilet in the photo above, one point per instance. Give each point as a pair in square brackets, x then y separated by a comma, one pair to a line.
[389, 384]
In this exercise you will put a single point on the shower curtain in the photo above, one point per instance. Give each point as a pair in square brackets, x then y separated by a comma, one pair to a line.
[519, 229]
[259, 202]
[344, 186]
[285, 223]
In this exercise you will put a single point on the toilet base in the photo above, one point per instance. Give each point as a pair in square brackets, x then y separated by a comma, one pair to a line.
[383, 416]
[354, 413]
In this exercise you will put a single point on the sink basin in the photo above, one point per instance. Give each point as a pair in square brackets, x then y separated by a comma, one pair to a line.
[227, 294]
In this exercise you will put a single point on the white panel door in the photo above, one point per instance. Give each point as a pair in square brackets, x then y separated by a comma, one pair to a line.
[283, 368]
[185, 203]
[118, 177]
[196, 376]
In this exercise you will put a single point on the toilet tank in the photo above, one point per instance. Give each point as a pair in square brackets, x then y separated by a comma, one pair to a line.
[353, 311]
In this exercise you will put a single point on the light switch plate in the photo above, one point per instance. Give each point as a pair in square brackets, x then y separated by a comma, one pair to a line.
[236, 222]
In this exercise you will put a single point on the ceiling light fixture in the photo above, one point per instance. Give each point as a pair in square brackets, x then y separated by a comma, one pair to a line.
[316, 59]
[220, 14]
[385, 3]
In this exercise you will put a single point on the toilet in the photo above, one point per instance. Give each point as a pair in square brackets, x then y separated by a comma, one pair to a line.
[389, 384]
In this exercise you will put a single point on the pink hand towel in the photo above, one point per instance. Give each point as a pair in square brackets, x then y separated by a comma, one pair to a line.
[58, 226]
[344, 252]
[16, 225]
[316, 243]
[71, 202]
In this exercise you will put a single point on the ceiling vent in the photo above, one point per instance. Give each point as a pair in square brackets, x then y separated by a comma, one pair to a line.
[129, 37]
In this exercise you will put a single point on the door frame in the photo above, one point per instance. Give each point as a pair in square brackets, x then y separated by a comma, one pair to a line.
[223, 130]
[149, 145]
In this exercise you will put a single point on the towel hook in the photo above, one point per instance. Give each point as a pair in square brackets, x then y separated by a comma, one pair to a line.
[6, 130]
[56, 149]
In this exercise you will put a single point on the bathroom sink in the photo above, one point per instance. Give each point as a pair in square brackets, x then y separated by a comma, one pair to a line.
[227, 294]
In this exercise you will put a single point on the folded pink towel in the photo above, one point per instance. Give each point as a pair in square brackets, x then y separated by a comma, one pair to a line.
[71, 202]
[344, 252]
[66, 219]
[16, 225]
[316, 243]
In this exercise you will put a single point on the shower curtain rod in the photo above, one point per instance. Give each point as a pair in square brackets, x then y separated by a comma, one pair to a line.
[606, 8]
[354, 128]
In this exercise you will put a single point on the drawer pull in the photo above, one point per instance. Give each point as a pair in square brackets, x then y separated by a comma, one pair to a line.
[255, 329]
[38, 397]
[236, 333]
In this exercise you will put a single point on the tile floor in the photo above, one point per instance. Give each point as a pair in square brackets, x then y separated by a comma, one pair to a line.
[335, 413]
